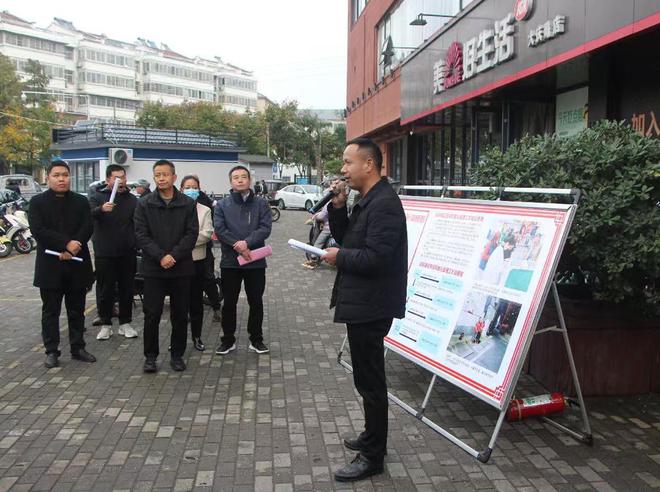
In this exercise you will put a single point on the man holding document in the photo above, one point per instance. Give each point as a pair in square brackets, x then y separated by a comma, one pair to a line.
[242, 223]
[113, 208]
[61, 223]
[369, 290]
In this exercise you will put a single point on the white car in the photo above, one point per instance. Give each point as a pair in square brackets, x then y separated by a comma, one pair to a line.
[298, 196]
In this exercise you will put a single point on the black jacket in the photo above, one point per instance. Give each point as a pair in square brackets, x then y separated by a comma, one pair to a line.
[372, 264]
[166, 228]
[54, 222]
[114, 232]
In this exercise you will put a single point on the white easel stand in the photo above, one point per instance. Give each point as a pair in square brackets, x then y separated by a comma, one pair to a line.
[585, 436]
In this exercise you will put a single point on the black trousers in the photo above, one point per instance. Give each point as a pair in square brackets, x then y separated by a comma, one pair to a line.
[255, 284]
[74, 300]
[155, 290]
[115, 275]
[196, 299]
[210, 285]
[367, 355]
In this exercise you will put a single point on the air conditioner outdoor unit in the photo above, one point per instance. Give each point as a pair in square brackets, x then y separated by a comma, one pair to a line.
[123, 157]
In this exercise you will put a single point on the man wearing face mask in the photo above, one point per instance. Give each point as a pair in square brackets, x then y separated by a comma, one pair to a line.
[114, 251]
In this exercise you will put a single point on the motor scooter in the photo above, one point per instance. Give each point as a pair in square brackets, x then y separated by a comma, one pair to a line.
[18, 232]
[5, 244]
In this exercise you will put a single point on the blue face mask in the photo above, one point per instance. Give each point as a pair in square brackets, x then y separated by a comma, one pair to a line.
[192, 193]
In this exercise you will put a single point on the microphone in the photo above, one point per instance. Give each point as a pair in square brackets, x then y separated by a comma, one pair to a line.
[318, 206]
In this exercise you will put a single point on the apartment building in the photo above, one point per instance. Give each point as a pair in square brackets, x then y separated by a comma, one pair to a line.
[96, 77]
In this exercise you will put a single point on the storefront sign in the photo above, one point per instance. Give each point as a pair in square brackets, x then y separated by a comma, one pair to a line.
[478, 54]
[547, 31]
[491, 47]
[645, 124]
[571, 113]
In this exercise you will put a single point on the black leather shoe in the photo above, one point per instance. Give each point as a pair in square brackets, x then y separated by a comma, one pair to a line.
[355, 445]
[178, 364]
[199, 345]
[359, 469]
[83, 356]
[51, 361]
[150, 365]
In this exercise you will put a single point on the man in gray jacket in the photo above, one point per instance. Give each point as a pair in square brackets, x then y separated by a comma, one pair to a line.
[242, 222]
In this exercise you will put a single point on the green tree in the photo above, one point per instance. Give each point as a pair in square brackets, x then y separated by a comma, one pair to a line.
[10, 86]
[614, 244]
[36, 84]
[293, 138]
[24, 126]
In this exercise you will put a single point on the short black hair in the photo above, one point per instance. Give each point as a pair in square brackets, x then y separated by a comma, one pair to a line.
[371, 148]
[113, 168]
[164, 162]
[57, 163]
[190, 176]
[236, 168]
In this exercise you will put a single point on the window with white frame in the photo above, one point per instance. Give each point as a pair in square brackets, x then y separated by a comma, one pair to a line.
[397, 38]
[109, 80]
[357, 7]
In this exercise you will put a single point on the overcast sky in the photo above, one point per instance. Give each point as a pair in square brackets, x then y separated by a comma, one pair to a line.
[297, 48]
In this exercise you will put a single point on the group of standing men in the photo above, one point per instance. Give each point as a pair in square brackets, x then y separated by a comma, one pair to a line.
[172, 229]
[369, 290]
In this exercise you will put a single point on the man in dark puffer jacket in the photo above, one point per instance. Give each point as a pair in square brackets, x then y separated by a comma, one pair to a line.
[369, 291]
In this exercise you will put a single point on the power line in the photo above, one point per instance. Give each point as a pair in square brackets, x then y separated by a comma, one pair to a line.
[33, 119]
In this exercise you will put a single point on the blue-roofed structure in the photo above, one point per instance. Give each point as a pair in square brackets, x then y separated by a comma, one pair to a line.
[90, 148]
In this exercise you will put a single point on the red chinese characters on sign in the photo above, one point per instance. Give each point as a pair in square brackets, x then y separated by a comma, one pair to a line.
[454, 64]
[523, 9]
[646, 127]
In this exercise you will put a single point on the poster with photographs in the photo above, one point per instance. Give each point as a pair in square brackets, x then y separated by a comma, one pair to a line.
[477, 274]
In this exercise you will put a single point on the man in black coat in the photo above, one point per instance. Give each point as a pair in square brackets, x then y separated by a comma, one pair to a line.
[114, 251]
[166, 229]
[369, 290]
[60, 221]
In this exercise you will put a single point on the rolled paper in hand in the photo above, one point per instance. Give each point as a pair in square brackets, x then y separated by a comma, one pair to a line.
[256, 254]
[115, 187]
[55, 253]
[295, 244]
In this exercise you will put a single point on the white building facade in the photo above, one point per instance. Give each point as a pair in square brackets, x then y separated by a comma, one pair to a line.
[99, 78]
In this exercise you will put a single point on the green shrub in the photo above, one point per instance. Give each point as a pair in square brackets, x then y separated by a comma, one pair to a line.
[614, 244]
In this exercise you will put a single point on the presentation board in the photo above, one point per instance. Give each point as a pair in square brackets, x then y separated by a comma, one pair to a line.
[478, 274]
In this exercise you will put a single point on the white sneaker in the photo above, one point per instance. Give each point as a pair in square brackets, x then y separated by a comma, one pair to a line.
[105, 332]
[127, 330]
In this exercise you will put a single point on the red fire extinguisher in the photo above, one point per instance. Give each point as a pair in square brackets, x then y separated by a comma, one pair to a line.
[535, 406]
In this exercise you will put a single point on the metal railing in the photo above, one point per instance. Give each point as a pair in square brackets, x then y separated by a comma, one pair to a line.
[128, 134]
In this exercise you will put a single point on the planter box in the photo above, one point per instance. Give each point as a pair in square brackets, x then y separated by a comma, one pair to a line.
[615, 353]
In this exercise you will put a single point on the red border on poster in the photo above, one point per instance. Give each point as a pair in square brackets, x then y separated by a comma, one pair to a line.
[493, 394]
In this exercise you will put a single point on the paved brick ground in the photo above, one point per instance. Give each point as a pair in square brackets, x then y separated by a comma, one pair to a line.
[274, 422]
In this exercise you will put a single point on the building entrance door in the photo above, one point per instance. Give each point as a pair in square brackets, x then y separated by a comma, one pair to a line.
[486, 131]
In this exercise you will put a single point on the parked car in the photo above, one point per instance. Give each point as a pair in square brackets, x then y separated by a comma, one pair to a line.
[275, 185]
[298, 196]
[24, 183]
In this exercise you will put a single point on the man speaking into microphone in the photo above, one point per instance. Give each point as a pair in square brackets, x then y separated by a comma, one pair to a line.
[369, 290]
